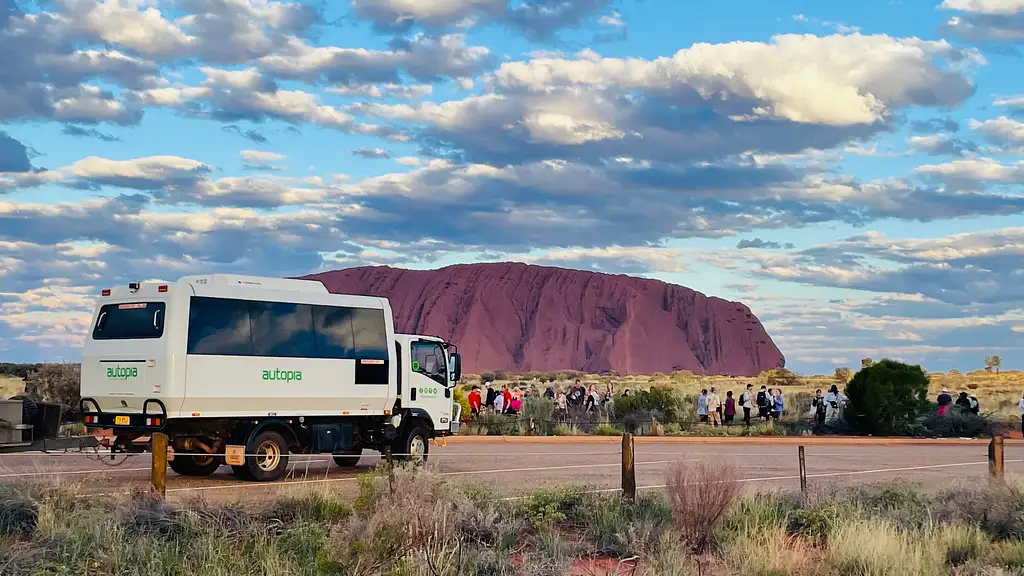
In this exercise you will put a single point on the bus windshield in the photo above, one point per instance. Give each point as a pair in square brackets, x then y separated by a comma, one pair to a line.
[130, 321]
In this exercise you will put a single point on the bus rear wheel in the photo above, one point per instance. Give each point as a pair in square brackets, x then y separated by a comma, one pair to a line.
[267, 457]
[195, 465]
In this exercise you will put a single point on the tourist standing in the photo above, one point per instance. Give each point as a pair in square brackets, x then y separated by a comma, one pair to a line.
[715, 407]
[747, 402]
[474, 401]
[779, 405]
[702, 405]
[730, 408]
[944, 400]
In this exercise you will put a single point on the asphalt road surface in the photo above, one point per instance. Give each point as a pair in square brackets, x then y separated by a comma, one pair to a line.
[512, 468]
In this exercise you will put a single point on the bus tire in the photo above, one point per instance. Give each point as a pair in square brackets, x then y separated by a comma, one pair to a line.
[348, 458]
[269, 460]
[195, 465]
[415, 445]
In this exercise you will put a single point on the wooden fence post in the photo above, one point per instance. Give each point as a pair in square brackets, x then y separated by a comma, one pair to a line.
[803, 472]
[995, 458]
[158, 474]
[628, 470]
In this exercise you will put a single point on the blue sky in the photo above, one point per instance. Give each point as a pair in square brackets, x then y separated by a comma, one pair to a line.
[851, 171]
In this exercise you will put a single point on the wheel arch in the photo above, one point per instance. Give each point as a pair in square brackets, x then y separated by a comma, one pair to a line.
[277, 425]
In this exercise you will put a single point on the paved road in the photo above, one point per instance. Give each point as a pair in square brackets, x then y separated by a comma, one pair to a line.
[513, 467]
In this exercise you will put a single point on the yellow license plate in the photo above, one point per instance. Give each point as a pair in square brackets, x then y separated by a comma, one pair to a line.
[122, 420]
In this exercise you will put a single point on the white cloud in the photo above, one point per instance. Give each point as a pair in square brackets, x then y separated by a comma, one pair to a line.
[408, 161]
[1001, 7]
[837, 80]
[1001, 130]
[260, 156]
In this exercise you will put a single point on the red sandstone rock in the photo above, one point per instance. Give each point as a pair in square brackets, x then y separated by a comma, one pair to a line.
[517, 317]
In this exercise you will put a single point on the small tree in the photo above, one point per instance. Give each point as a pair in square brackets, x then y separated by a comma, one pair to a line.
[992, 363]
[884, 398]
[842, 376]
[56, 383]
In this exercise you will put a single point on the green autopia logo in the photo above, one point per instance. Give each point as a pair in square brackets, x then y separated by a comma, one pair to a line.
[286, 375]
[122, 373]
[428, 390]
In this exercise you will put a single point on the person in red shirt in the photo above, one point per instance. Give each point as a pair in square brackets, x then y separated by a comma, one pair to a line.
[474, 401]
[508, 397]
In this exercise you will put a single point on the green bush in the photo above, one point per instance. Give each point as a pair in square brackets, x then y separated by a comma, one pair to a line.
[886, 398]
[542, 411]
[662, 403]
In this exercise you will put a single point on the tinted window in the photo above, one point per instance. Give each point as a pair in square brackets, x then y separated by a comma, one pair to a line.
[218, 326]
[333, 332]
[282, 330]
[428, 359]
[369, 333]
[130, 321]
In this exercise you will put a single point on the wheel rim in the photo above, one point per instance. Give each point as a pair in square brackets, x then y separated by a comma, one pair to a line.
[417, 447]
[268, 455]
[203, 460]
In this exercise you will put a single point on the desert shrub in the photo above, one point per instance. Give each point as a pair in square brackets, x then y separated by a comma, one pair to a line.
[413, 523]
[961, 543]
[542, 411]
[700, 494]
[878, 548]
[18, 513]
[566, 430]
[461, 397]
[886, 397]
[1010, 554]
[489, 423]
[660, 403]
[997, 511]
[605, 429]
[314, 505]
[771, 552]
[955, 424]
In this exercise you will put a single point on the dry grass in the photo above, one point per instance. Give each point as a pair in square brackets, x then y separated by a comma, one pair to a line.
[875, 547]
[700, 493]
[11, 386]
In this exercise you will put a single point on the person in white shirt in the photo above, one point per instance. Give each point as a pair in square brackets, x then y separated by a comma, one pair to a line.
[499, 403]
[715, 407]
[833, 404]
[1021, 406]
[746, 402]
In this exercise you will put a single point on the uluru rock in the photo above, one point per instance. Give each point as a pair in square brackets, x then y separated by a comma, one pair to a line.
[518, 317]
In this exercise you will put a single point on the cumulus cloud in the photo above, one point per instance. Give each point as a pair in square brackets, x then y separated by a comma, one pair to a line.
[536, 19]
[960, 269]
[679, 108]
[989, 21]
[1004, 132]
[248, 94]
[941, 145]
[424, 58]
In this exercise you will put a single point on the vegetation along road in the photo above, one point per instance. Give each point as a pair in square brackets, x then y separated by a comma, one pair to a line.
[512, 465]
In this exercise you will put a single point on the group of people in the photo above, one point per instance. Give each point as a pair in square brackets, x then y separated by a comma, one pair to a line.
[965, 402]
[509, 400]
[767, 404]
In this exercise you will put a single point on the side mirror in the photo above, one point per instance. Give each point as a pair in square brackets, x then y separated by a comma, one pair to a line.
[455, 367]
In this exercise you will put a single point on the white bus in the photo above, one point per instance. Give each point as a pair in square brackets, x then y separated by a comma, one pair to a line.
[225, 364]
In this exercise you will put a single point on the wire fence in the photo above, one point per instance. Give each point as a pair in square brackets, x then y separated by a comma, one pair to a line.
[627, 469]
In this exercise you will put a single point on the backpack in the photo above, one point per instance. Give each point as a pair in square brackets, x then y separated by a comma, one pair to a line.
[742, 398]
[762, 399]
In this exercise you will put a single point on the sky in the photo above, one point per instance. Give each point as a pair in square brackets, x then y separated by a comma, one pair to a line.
[852, 171]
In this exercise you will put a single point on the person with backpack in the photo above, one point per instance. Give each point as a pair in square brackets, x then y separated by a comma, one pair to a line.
[765, 403]
[715, 407]
[702, 406]
[975, 406]
[747, 402]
